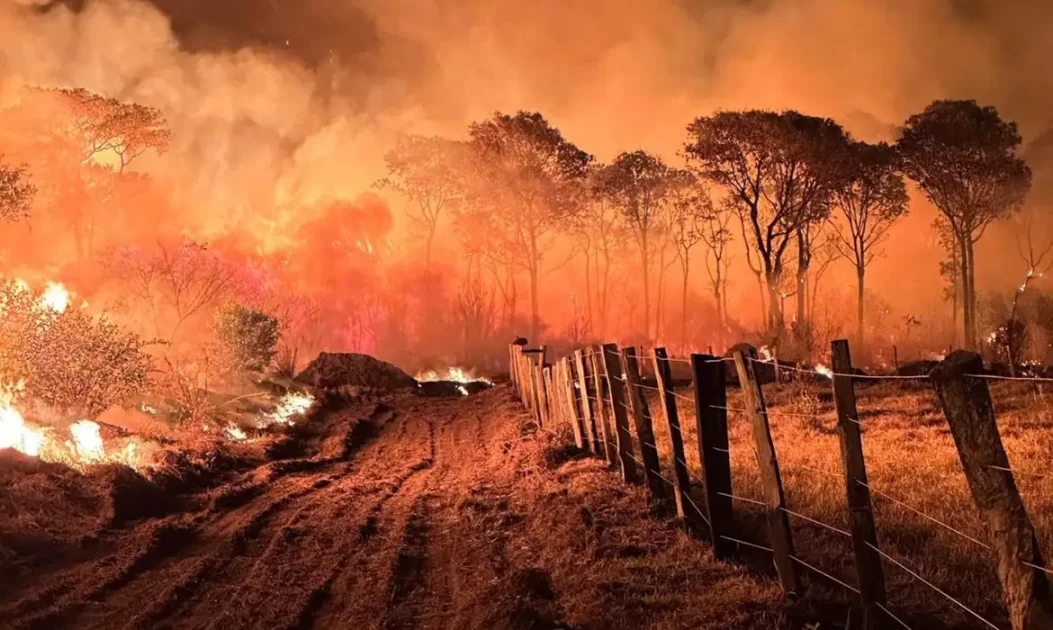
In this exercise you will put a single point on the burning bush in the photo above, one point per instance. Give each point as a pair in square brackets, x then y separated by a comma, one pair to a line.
[66, 358]
[247, 337]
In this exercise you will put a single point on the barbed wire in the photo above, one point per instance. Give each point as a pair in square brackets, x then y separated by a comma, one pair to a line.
[832, 373]
[995, 377]
[744, 499]
[922, 514]
[929, 584]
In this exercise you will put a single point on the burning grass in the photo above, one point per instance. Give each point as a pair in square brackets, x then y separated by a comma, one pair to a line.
[911, 461]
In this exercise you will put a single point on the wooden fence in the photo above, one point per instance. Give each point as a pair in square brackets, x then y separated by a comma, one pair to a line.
[597, 391]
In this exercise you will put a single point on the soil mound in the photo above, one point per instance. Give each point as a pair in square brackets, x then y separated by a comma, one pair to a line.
[333, 370]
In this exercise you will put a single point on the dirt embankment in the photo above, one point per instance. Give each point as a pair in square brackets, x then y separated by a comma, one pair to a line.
[403, 513]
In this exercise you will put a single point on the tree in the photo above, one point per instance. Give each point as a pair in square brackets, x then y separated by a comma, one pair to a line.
[425, 171]
[637, 184]
[104, 125]
[16, 192]
[780, 168]
[690, 208]
[717, 236]
[871, 198]
[964, 158]
[248, 337]
[526, 173]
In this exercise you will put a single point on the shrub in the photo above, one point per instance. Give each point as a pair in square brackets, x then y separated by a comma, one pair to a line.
[247, 337]
[69, 360]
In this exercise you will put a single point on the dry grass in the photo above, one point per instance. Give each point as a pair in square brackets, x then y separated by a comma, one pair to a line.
[910, 456]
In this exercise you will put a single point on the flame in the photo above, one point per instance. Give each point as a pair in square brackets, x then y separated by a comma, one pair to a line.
[14, 433]
[87, 440]
[235, 432]
[453, 374]
[825, 371]
[290, 406]
[463, 390]
[84, 448]
[765, 354]
[55, 297]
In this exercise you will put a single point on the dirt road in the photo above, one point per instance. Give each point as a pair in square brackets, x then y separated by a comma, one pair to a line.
[403, 513]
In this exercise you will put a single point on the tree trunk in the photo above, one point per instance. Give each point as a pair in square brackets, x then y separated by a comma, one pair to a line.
[604, 288]
[775, 317]
[860, 272]
[660, 296]
[646, 287]
[804, 261]
[973, 338]
[535, 263]
[763, 301]
[588, 292]
[967, 300]
[683, 302]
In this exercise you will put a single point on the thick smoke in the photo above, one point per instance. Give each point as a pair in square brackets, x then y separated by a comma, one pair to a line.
[280, 108]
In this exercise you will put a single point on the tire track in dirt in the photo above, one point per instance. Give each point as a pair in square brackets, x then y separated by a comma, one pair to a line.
[183, 547]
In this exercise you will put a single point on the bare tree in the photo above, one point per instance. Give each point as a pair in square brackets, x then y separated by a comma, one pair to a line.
[717, 236]
[426, 171]
[526, 173]
[871, 198]
[690, 207]
[964, 157]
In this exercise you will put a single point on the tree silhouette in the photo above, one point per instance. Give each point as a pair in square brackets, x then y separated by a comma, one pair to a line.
[637, 184]
[426, 171]
[871, 198]
[525, 173]
[780, 169]
[717, 236]
[690, 208]
[964, 158]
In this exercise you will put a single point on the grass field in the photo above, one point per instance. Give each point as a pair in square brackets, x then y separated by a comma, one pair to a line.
[911, 458]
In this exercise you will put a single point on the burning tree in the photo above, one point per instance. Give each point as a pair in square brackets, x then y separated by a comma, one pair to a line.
[717, 236]
[526, 173]
[964, 158]
[871, 198]
[67, 359]
[690, 210]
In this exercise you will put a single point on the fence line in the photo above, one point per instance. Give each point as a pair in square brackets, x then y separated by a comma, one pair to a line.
[556, 398]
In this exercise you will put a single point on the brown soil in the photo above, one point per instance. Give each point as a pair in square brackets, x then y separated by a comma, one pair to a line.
[408, 513]
[333, 370]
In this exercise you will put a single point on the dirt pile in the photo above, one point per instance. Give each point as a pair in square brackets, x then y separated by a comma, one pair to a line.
[334, 370]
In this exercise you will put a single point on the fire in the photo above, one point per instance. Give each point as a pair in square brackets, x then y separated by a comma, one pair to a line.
[825, 371]
[235, 433]
[87, 440]
[765, 354]
[14, 433]
[453, 374]
[291, 405]
[55, 297]
[85, 446]
[463, 390]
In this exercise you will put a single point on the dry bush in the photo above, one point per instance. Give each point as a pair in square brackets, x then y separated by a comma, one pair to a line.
[69, 360]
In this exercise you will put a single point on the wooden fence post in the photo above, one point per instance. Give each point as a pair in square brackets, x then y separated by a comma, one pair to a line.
[546, 381]
[602, 411]
[623, 439]
[778, 520]
[711, 421]
[864, 534]
[895, 359]
[512, 367]
[586, 403]
[580, 438]
[537, 371]
[642, 422]
[966, 402]
[681, 478]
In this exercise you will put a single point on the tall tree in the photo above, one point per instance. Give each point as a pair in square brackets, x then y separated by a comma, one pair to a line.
[690, 207]
[871, 198]
[637, 184]
[425, 170]
[781, 169]
[528, 172]
[717, 236]
[964, 158]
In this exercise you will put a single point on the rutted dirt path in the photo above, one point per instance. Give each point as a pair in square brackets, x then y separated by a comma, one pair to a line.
[409, 513]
